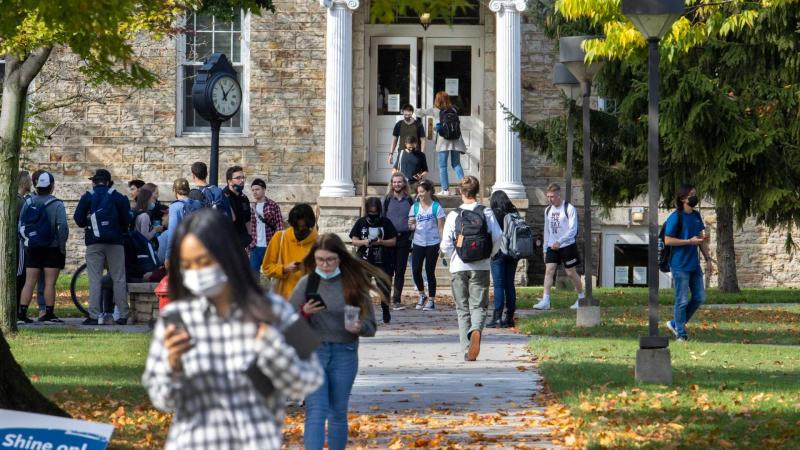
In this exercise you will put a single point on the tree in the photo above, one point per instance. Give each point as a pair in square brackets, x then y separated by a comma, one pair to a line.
[732, 130]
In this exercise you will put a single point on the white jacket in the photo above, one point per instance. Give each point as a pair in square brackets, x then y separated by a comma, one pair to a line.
[448, 246]
[559, 226]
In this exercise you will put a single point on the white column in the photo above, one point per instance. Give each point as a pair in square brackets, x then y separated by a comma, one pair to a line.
[339, 99]
[508, 175]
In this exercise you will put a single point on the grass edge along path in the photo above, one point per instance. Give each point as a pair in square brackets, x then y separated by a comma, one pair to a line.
[729, 391]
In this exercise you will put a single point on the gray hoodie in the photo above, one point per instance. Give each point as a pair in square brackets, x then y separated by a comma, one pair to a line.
[329, 323]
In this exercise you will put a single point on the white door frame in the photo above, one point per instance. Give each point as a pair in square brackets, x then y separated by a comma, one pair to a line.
[458, 33]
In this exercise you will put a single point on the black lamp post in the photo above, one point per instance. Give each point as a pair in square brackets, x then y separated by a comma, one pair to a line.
[653, 18]
[572, 90]
[573, 57]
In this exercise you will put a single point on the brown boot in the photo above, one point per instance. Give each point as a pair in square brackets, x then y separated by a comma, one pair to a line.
[474, 345]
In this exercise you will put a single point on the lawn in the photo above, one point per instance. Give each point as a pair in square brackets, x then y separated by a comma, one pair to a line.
[735, 382]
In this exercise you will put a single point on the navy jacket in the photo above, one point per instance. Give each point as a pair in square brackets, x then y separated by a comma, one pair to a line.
[124, 214]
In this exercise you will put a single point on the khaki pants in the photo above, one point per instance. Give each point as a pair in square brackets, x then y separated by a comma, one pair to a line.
[471, 295]
[97, 257]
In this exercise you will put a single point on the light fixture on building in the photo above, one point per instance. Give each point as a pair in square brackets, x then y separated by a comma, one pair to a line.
[425, 20]
[637, 215]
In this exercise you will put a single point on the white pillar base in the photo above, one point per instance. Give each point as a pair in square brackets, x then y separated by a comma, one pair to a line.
[335, 190]
[513, 190]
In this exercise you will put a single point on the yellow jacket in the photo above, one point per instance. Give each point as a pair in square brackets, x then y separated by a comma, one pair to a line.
[284, 248]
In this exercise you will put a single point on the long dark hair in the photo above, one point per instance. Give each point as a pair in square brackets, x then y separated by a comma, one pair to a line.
[681, 194]
[501, 205]
[428, 186]
[356, 273]
[373, 203]
[143, 200]
[217, 234]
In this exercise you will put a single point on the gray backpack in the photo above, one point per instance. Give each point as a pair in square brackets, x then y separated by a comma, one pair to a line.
[518, 241]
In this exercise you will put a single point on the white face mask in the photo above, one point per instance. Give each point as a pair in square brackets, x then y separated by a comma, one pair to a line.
[205, 282]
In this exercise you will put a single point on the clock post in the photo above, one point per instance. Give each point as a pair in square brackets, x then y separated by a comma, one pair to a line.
[217, 96]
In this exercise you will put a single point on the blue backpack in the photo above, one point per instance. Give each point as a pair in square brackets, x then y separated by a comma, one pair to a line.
[140, 256]
[35, 225]
[190, 206]
[214, 198]
[104, 217]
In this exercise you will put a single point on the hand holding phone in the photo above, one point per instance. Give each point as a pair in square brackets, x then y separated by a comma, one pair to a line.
[314, 304]
[177, 340]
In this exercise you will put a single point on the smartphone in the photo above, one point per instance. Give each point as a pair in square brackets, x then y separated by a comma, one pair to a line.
[174, 318]
[314, 296]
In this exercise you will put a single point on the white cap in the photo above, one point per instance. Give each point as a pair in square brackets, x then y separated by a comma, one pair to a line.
[45, 180]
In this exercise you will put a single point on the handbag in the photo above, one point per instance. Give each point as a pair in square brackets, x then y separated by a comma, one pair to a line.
[275, 282]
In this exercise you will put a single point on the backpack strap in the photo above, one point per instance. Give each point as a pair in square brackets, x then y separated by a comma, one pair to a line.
[416, 208]
[435, 209]
[386, 204]
[312, 283]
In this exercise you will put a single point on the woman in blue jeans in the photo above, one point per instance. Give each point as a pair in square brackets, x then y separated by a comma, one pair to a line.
[453, 148]
[340, 280]
[504, 268]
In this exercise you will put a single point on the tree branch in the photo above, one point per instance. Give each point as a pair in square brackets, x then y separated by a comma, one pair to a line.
[33, 65]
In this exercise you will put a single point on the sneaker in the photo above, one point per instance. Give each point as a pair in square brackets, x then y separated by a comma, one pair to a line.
[387, 316]
[575, 305]
[398, 306]
[542, 305]
[682, 339]
[474, 345]
[429, 305]
[50, 318]
[671, 327]
[443, 192]
[421, 301]
[23, 320]
[108, 319]
[89, 321]
[121, 321]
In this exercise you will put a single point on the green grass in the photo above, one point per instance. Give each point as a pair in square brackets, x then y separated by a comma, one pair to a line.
[735, 383]
[561, 298]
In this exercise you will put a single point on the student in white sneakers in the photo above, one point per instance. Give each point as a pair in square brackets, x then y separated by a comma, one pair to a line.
[426, 217]
[560, 230]
[470, 238]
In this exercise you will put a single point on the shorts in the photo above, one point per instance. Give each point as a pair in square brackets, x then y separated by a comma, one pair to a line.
[44, 258]
[565, 255]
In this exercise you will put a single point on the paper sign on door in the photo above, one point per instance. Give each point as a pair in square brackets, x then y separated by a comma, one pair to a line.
[394, 103]
[451, 86]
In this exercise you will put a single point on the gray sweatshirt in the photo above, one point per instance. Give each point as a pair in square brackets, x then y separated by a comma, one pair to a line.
[58, 219]
[329, 323]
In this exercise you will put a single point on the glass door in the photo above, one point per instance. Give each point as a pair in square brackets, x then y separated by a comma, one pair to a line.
[454, 65]
[394, 83]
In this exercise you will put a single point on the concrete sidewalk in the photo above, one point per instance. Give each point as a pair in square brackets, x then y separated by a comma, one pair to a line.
[413, 372]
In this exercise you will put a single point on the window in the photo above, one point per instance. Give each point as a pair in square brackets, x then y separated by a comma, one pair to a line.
[205, 35]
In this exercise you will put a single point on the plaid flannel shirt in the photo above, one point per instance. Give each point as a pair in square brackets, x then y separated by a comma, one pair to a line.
[215, 403]
[273, 216]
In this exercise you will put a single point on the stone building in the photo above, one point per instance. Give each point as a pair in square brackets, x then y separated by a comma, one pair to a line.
[322, 89]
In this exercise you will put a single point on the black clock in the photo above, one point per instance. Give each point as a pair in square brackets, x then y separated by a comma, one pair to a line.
[216, 94]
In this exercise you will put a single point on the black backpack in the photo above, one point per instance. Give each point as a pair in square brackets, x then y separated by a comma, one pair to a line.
[449, 124]
[473, 241]
[140, 256]
[664, 250]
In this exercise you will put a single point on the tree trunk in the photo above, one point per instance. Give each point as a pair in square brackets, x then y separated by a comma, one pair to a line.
[726, 255]
[16, 391]
[19, 72]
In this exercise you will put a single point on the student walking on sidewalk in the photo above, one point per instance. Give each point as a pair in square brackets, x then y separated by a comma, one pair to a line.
[288, 248]
[344, 284]
[396, 206]
[426, 218]
[560, 230]
[471, 237]
[684, 233]
[504, 267]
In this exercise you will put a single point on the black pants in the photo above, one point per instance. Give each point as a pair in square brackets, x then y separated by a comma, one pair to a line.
[399, 263]
[429, 255]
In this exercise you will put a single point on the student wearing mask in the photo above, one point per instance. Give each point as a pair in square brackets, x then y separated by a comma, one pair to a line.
[405, 128]
[142, 223]
[240, 205]
[684, 232]
[288, 248]
[265, 220]
[342, 282]
[222, 323]
[374, 236]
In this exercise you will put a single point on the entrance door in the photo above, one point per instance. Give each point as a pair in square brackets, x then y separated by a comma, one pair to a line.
[394, 75]
[411, 70]
[454, 65]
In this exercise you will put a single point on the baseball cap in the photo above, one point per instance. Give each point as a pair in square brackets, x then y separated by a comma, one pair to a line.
[101, 175]
[45, 180]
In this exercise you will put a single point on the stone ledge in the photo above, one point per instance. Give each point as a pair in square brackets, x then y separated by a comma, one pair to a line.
[142, 288]
[339, 202]
[205, 141]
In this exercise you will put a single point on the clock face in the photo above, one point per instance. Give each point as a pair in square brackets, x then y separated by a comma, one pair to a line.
[226, 96]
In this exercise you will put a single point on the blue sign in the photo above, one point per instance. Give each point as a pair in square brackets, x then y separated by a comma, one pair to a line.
[27, 431]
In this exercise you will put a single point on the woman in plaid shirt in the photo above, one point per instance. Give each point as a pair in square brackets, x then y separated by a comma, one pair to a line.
[197, 368]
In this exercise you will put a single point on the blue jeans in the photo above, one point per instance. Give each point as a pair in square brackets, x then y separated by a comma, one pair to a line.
[455, 161]
[685, 309]
[330, 401]
[503, 270]
[256, 257]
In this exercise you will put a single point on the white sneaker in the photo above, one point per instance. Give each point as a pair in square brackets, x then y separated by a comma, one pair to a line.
[421, 301]
[443, 193]
[542, 305]
[575, 305]
[429, 306]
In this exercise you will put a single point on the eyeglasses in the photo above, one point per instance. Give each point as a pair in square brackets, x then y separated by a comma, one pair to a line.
[240, 177]
[330, 260]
